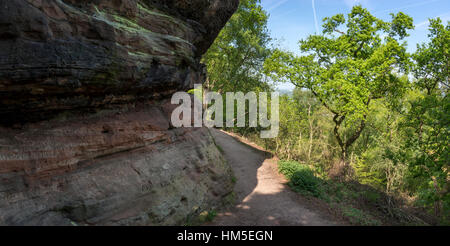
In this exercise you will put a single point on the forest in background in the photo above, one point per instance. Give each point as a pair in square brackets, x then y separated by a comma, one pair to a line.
[367, 128]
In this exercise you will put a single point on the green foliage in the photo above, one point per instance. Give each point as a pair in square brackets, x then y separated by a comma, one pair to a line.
[427, 122]
[431, 67]
[342, 196]
[211, 215]
[303, 131]
[289, 168]
[301, 178]
[366, 174]
[236, 58]
[361, 100]
[375, 162]
[347, 71]
[371, 196]
[358, 217]
[304, 180]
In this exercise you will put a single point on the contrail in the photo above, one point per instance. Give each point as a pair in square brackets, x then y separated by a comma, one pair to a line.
[273, 7]
[315, 16]
[417, 4]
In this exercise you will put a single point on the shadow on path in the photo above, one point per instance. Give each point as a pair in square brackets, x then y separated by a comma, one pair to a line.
[262, 197]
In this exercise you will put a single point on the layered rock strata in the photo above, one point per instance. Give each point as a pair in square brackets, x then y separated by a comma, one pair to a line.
[85, 133]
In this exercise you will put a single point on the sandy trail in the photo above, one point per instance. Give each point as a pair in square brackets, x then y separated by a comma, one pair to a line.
[263, 199]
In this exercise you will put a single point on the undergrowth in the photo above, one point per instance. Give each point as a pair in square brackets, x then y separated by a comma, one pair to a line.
[356, 203]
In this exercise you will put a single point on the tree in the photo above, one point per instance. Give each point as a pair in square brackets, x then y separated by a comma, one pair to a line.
[432, 60]
[428, 120]
[236, 58]
[347, 69]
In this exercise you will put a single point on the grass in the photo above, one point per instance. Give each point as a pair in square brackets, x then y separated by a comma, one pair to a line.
[359, 217]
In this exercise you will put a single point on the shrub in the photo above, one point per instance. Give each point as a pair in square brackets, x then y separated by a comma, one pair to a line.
[301, 178]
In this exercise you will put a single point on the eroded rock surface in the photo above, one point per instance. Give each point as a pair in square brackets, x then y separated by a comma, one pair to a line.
[76, 54]
[85, 136]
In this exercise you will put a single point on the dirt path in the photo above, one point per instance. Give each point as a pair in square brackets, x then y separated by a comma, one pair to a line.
[263, 199]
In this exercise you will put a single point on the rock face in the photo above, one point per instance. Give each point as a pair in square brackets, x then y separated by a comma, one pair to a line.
[85, 136]
[57, 55]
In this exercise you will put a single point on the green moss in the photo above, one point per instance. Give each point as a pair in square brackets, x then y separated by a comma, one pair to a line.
[148, 11]
[140, 54]
[128, 25]
[155, 39]
[127, 22]
[118, 21]
[167, 17]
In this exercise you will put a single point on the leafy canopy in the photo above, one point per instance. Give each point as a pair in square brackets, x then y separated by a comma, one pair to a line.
[353, 62]
[427, 124]
[236, 58]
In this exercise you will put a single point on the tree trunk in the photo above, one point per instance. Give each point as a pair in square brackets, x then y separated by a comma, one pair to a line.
[343, 169]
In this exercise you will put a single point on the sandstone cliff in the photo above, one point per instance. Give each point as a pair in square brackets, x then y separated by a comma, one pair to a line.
[85, 136]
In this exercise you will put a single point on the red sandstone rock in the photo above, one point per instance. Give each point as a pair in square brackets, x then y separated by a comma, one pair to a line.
[85, 136]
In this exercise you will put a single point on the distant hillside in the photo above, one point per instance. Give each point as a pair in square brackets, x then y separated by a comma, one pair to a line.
[285, 92]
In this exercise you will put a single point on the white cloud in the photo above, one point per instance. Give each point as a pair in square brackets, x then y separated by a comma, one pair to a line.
[424, 24]
[276, 5]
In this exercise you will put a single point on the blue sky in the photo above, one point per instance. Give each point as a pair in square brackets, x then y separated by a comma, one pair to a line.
[292, 20]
